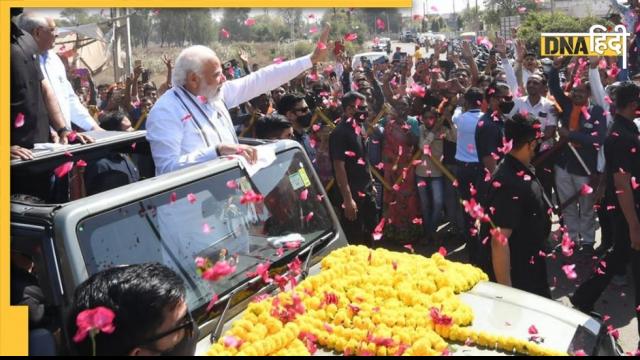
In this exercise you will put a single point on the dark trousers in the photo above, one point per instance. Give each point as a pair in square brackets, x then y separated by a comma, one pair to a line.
[606, 225]
[616, 261]
[470, 174]
[359, 232]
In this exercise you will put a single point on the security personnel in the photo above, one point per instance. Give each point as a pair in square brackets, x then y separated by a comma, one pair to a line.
[521, 212]
[622, 156]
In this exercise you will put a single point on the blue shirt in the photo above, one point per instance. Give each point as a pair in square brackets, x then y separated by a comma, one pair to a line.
[466, 145]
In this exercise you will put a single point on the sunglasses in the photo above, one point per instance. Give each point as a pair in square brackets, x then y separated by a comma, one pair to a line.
[187, 325]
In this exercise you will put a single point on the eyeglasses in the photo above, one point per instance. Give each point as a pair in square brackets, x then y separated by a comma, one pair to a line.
[187, 325]
[302, 110]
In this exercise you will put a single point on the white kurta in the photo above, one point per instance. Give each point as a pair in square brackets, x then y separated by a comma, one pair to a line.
[183, 130]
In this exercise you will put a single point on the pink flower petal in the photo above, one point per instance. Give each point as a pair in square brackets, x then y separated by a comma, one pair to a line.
[522, 10]
[191, 198]
[409, 247]
[63, 169]
[173, 197]
[232, 184]
[225, 33]
[443, 251]
[569, 270]
[232, 342]
[304, 195]
[277, 60]
[350, 37]
[533, 330]
[81, 163]
[313, 30]
[250, 22]
[380, 24]
[417, 221]
[212, 303]
[218, 271]
[206, 229]
[586, 190]
[309, 217]
[19, 121]
[321, 45]
[350, 153]
[634, 183]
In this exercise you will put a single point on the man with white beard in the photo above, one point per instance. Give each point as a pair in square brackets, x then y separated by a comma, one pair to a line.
[191, 124]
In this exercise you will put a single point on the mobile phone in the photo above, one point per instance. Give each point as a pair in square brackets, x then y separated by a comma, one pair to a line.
[450, 48]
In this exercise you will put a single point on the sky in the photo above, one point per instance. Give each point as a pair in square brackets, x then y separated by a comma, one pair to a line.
[442, 6]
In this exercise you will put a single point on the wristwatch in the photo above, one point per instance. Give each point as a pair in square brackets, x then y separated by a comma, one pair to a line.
[63, 129]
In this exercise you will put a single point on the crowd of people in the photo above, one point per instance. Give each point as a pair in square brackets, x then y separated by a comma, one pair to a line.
[402, 144]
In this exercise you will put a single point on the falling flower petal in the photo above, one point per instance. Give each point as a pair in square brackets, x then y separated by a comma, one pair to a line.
[417, 221]
[309, 217]
[613, 332]
[191, 198]
[232, 184]
[173, 197]
[63, 169]
[313, 30]
[350, 37]
[350, 153]
[19, 121]
[214, 300]
[225, 33]
[409, 247]
[250, 22]
[304, 195]
[522, 10]
[321, 45]
[218, 271]
[81, 163]
[533, 330]
[277, 60]
[586, 190]
[569, 270]
[206, 229]
[380, 24]
[499, 236]
[585, 113]
[251, 197]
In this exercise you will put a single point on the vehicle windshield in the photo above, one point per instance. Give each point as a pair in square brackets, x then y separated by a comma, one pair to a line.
[208, 218]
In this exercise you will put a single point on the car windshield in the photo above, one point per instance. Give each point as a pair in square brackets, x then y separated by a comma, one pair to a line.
[210, 218]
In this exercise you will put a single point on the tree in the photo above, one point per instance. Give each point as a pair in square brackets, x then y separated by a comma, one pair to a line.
[391, 17]
[75, 17]
[233, 21]
[292, 19]
[536, 23]
[141, 23]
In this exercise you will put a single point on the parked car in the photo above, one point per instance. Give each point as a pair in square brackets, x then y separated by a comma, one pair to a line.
[154, 219]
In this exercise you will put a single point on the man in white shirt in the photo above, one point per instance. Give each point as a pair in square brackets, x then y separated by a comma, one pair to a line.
[43, 30]
[191, 124]
[538, 107]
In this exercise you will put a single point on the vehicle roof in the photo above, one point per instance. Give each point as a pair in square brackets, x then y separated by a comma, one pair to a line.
[102, 139]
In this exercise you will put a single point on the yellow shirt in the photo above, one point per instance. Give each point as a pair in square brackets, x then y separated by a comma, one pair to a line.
[418, 55]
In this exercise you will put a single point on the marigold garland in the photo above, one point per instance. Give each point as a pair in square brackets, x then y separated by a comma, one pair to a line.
[369, 302]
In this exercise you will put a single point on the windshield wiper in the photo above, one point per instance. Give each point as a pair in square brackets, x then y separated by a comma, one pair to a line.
[217, 330]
